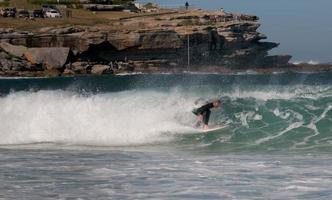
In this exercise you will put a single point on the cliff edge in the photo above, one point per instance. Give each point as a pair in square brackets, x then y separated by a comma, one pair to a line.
[169, 41]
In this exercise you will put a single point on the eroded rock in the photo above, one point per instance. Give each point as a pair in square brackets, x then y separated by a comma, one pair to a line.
[10, 63]
[13, 49]
[79, 67]
[101, 69]
[52, 58]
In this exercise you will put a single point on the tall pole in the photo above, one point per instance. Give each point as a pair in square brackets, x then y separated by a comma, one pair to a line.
[188, 40]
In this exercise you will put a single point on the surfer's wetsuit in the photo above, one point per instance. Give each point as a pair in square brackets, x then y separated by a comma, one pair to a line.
[205, 112]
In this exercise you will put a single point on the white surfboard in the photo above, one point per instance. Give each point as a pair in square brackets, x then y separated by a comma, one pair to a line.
[214, 129]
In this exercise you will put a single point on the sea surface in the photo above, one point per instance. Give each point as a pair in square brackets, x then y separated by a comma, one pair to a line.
[302, 27]
[132, 137]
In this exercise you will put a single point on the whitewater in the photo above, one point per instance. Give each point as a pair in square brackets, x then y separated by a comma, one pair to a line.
[132, 137]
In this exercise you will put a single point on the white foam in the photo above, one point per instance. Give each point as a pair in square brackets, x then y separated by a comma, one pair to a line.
[284, 93]
[113, 119]
[129, 73]
[311, 62]
[258, 117]
[262, 94]
[312, 125]
[297, 62]
[244, 117]
[289, 128]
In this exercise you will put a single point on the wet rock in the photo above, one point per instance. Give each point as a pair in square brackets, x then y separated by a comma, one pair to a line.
[68, 72]
[52, 73]
[277, 61]
[101, 69]
[79, 67]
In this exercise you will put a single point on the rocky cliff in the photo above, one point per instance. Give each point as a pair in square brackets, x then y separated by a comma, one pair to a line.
[169, 41]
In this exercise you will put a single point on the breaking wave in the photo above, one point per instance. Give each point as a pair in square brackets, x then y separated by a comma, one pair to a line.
[115, 119]
[260, 117]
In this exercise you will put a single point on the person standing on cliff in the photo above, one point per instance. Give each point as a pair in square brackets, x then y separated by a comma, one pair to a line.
[203, 113]
[187, 5]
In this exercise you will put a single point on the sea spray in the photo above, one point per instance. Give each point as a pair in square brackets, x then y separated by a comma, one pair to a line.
[114, 119]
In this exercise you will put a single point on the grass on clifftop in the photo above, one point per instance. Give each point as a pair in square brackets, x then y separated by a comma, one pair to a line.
[79, 17]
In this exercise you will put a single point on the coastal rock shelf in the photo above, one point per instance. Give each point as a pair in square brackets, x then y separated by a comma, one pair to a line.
[207, 41]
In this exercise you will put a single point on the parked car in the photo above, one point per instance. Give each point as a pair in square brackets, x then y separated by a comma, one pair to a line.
[52, 14]
[8, 12]
[38, 14]
[23, 14]
[49, 7]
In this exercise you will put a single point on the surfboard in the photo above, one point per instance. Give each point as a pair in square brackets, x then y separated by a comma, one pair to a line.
[214, 129]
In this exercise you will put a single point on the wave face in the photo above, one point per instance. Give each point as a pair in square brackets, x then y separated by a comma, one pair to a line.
[277, 113]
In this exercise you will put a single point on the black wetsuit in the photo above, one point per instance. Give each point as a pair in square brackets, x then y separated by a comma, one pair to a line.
[205, 112]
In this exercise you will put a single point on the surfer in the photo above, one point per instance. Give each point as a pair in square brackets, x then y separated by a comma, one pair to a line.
[203, 113]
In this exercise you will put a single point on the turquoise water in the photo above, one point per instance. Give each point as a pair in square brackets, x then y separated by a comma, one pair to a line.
[301, 26]
[131, 137]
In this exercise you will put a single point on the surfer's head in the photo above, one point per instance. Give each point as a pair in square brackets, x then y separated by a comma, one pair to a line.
[216, 103]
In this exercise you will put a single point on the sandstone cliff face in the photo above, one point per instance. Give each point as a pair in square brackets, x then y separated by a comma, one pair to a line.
[51, 58]
[215, 39]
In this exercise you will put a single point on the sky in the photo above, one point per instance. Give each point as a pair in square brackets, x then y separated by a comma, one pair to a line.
[302, 27]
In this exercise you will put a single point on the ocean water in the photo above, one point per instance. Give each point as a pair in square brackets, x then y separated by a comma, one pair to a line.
[131, 137]
[300, 26]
